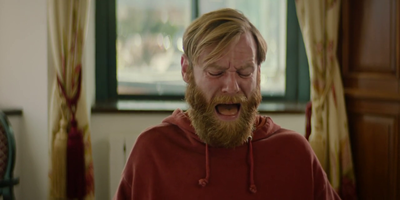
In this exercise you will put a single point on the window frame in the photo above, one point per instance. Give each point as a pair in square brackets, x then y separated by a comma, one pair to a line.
[297, 73]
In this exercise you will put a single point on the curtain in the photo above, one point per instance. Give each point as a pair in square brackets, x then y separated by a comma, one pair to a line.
[319, 21]
[71, 165]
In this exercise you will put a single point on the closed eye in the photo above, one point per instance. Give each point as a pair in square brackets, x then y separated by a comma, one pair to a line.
[215, 73]
[244, 74]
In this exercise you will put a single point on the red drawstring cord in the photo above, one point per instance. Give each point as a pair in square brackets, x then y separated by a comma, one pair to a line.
[253, 188]
[203, 182]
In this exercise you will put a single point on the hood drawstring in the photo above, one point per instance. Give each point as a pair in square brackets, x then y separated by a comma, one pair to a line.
[203, 182]
[253, 188]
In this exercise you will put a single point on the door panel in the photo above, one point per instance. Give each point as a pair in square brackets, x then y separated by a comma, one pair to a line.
[369, 54]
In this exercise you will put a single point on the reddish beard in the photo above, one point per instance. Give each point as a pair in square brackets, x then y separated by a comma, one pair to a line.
[210, 128]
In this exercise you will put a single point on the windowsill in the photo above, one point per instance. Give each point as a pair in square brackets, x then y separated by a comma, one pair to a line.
[12, 112]
[137, 106]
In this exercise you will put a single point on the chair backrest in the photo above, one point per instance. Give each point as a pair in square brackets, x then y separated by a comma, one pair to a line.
[7, 148]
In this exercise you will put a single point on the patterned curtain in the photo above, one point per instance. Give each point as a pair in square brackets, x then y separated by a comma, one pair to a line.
[319, 21]
[71, 164]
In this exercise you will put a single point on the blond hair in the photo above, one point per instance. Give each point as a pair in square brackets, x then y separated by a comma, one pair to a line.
[217, 30]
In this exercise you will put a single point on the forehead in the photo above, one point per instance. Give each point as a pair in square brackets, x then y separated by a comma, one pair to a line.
[239, 52]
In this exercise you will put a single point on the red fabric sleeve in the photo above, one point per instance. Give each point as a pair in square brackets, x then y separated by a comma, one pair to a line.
[124, 190]
[322, 187]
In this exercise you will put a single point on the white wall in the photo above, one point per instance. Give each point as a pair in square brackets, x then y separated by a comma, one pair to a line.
[25, 80]
[23, 84]
[89, 57]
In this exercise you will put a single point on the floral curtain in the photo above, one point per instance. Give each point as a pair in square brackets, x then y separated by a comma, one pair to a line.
[319, 21]
[71, 164]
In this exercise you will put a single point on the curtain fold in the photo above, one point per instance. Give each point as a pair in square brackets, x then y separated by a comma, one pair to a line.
[319, 22]
[69, 136]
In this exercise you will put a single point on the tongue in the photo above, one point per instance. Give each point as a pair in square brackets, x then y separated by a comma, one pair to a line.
[227, 109]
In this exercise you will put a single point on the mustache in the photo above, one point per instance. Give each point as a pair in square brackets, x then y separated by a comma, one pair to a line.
[229, 99]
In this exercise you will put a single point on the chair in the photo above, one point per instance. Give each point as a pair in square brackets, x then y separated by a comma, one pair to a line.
[7, 159]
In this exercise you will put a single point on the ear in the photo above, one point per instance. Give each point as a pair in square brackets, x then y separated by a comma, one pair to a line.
[185, 66]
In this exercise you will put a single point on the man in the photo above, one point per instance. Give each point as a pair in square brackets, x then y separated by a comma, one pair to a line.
[221, 148]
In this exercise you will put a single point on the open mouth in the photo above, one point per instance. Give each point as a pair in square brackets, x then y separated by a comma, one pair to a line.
[228, 110]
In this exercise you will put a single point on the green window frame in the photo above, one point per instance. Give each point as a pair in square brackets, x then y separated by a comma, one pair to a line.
[297, 72]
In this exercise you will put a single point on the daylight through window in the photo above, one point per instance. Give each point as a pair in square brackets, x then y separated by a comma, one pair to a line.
[149, 43]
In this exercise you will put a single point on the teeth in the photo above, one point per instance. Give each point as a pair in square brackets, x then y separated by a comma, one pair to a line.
[228, 109]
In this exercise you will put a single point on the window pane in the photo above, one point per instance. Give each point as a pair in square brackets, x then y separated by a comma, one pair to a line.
[269, 16]
[149, 43]
[149, 46]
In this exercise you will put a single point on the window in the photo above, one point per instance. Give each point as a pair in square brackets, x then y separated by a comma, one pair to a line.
[139, 44]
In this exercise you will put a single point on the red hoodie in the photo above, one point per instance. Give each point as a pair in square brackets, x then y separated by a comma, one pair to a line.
[168, 160]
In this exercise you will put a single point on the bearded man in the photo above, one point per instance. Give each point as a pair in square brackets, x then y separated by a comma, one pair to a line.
[220, 148]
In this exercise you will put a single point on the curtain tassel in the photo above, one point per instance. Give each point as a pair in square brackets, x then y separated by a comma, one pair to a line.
[76, 183]
[59, 162]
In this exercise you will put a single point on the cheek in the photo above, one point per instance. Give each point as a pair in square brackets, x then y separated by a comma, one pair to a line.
[208, 89]
[249, 87]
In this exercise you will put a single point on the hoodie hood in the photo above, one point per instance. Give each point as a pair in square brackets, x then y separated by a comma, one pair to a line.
[264, 128]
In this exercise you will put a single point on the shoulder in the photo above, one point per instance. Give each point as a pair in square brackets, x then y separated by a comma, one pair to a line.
[288, 142]
[151, 143]
[270, 131]
[157, 133]
[289, 137]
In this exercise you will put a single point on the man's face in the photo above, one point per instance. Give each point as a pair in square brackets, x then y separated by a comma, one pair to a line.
[224, 95]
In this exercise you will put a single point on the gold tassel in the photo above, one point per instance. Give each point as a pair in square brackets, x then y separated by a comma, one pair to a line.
[59, 163]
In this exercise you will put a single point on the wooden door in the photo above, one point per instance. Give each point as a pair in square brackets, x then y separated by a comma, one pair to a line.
[369, 54]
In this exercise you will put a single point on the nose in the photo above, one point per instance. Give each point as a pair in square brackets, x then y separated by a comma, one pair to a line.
[231, 85]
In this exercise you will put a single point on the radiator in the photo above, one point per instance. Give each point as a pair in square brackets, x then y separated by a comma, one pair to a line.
[120, 148]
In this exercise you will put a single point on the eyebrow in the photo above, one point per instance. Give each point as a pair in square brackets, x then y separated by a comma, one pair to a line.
[214, 66]
[247, 65]
[218, 67]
